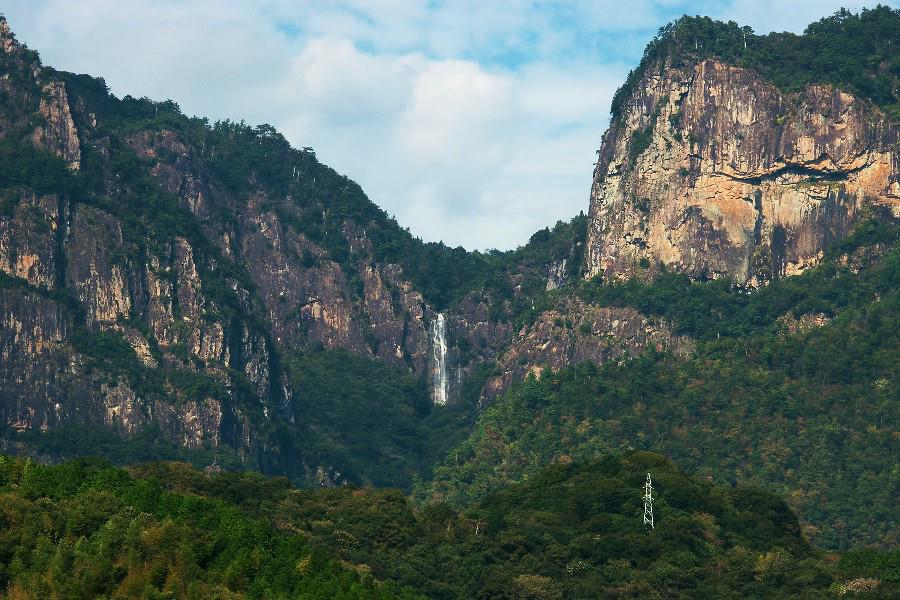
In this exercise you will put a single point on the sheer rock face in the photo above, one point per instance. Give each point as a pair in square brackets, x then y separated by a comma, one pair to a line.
[58, 133]
[34, 362]
[46, 380]
[712, 171]
[308, 297]
[28, 238]
[73, 270]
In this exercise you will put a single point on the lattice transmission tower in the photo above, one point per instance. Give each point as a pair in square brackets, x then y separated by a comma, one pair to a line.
[648, 502]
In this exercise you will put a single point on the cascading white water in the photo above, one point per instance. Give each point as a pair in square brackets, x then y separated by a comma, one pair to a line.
[439, 359]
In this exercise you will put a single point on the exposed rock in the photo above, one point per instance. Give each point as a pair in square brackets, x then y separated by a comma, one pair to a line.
[123, 410]
[7, 40]
[714, 172]
[804, 322]
[576, 332]
[58, 134]
[34, 362]
[201, 422]
[556, 275]
[97, 275]
[28, 234]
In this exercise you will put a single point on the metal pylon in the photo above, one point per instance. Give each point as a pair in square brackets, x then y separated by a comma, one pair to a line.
[648, 502]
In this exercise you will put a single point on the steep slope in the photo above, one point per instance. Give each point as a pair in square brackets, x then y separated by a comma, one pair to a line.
[158, 273]
[205, 292]
[710, 169]
[729, 156]
[793, 387]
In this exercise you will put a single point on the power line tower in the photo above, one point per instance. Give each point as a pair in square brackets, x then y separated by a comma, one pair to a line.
[648, 502]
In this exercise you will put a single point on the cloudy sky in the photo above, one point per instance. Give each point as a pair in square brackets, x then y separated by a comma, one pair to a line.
[473, 121]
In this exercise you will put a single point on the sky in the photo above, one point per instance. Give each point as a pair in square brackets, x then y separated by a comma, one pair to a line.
[474, 122]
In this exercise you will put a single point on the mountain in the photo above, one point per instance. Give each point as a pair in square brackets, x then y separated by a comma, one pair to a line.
[741, 282]
[729, 307]
[164, 277]
[729, 156]
[712, 168]
[177, 289]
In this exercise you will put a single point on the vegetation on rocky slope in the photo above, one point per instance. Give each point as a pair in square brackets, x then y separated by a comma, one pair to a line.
[246, 159]
[859, 53]
[241, 164]
[792, 387]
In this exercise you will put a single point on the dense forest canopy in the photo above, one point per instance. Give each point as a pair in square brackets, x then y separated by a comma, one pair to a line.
[163, 530]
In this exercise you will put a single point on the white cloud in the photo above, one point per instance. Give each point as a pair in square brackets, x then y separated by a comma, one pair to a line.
[456, 111]
[473, 122]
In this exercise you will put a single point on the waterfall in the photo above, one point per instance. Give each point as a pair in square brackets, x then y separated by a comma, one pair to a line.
[439, 358]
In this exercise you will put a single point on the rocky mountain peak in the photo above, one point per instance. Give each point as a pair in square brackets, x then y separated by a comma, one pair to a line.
[711, 170]
[7, 40]
[732, 155]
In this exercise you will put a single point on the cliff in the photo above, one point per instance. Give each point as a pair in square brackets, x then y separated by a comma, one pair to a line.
[710, 169]
[729, 156]
[161, 271]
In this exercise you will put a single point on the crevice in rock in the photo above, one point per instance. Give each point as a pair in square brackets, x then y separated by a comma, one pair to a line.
[62, 226]
[815, 175]
[757, 225]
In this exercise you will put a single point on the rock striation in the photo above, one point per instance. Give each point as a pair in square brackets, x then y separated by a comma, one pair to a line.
[119, 314]
[575, 332]
[712, 171]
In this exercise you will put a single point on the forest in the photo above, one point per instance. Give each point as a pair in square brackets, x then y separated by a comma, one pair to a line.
[783, 381]
[161, 530]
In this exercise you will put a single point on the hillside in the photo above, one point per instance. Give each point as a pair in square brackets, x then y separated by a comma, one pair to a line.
[163, 276]
[792, 387]
[726, 316]
[572, 531]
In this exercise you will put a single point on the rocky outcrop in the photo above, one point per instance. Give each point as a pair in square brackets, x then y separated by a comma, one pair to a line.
[712, 171]
[54, 369]
[35, 363]
[28, 234]
[576, 332]
[169, 296]
[57, 133]
[101, 283]
[309, 297]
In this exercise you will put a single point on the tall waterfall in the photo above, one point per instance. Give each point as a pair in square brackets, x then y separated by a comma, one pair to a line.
[439, 358]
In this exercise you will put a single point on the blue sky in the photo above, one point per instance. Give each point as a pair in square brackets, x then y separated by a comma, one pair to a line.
[474, 122]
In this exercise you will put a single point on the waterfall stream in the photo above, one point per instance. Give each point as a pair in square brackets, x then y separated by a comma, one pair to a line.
[439, 358]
